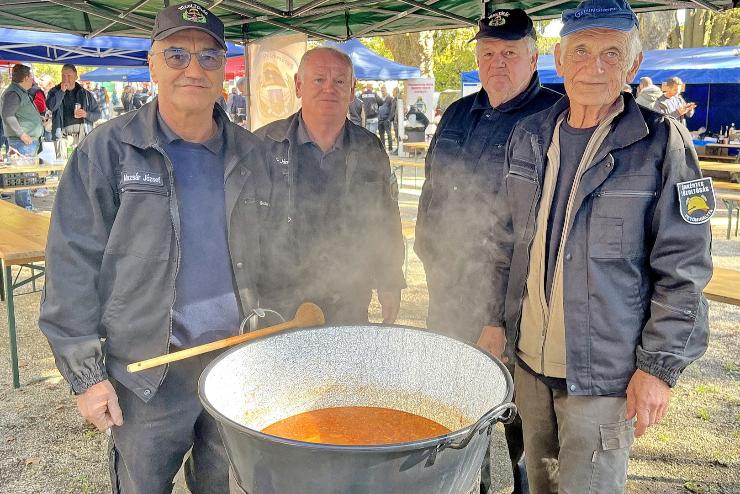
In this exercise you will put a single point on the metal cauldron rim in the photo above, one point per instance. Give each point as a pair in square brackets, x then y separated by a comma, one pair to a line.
[399, 447]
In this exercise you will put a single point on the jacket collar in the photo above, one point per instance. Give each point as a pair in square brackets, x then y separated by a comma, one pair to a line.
[628, 127]
[289, 129]
[142, 131]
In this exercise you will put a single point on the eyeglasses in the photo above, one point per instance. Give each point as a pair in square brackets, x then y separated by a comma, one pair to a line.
[179, 58]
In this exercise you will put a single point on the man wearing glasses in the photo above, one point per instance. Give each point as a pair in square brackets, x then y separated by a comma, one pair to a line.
[152, 247]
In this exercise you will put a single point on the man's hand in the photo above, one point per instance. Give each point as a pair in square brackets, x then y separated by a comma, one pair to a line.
[27, 139]
[80, 113]
[390, 302]
[647, 397]
[493, 340]
[99, 405]
[66, 87]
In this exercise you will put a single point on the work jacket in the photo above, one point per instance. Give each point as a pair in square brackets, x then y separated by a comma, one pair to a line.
[114, 248]
[634, 270]
[366, 250]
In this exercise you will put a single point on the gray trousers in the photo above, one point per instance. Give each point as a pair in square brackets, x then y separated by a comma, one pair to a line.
[149, 448]
[574, 444]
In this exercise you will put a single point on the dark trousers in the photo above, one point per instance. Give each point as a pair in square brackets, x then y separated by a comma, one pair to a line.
[148, 449]
[384, 128]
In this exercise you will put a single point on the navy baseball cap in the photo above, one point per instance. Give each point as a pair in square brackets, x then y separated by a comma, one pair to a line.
[189, 15]
[509, 24]
[595, 14]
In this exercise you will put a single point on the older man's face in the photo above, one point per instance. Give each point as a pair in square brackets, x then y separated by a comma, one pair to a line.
[69, 76]
[506, 67]
[192, 89]
[325, 87]
[594, 65]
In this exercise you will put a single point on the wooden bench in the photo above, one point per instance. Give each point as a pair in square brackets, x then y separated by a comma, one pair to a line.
[729, 194]
[715, 166]
[724, 286]
[720, 157]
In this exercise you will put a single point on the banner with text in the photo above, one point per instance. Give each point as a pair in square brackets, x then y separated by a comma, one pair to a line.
[420, 94]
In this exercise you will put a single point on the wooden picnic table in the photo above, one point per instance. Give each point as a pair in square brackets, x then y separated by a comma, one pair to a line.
[720, 151]
[724, 286]
[41, 170]
[399, 164]
[22, 243]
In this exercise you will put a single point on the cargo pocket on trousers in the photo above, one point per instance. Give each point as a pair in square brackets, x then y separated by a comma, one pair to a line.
[609, 462]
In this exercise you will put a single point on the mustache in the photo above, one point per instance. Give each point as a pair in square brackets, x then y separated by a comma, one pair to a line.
[187, 81]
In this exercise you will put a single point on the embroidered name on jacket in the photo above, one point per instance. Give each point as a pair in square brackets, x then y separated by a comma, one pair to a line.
[141, 178]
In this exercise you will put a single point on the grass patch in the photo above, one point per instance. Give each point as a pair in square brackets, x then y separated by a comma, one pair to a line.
[731, 367]
[703, 414]
[704, 389]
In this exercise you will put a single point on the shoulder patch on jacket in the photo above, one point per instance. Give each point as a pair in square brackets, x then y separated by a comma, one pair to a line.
[696, 200]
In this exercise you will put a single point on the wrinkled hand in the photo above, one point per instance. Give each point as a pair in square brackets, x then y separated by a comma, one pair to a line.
[647, 397]
[80, 113]
[493, 340]
[390, 302]
[99, 406]
[27, 139]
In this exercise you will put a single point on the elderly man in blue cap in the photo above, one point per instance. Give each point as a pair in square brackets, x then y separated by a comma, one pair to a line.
[601, 254]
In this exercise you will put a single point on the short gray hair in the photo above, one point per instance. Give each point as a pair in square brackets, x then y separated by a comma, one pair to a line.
[634, 46]
[531, 45]
[339, 53]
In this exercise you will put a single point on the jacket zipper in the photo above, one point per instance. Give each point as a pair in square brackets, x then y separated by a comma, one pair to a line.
[626, 193]
[685, 312]
[177, 243]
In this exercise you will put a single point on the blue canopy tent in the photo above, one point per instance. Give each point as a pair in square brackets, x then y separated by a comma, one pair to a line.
[369, 66]
[43, 47]
[124, 74]
[712, 76]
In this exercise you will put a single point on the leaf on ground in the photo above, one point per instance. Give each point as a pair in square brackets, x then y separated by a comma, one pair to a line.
[33, 461]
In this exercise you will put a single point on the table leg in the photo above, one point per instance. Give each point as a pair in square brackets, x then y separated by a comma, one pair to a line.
[8, 290]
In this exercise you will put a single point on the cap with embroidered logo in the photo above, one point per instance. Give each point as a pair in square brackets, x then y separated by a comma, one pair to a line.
[189, 15]
[509, 24]
[599, 14]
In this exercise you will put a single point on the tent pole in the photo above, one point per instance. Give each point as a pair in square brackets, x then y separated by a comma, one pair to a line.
[709, 99]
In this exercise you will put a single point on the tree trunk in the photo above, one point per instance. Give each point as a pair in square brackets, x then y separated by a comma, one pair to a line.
[655, 29]
[413, 49]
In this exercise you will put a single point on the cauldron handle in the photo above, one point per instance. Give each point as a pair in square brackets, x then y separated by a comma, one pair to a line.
[503, 413]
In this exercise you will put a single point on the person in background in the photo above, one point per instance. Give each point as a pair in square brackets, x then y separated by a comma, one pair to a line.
[672, 103]
[385, 113]
[105, 103]
[153, 204]
[333, 234]
[394, 118]
[371, 101]
[74, 111]
[237, 106]
[647, 93]
[354, 113]
[21, 121]
[601, 253]
[127, 99]
[464, 172]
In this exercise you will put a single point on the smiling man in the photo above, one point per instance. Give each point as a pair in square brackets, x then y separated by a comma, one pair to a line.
[333, 233]
[154, 247]
[464, 171]
[601, 255]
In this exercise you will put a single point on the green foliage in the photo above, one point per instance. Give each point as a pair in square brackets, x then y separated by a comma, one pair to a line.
[703, 413]
[731, 367]
[546, 44]
[452, 55]
[54, 70]
[377, 45]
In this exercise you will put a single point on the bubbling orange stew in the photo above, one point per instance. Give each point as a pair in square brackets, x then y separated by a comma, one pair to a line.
[354, 426]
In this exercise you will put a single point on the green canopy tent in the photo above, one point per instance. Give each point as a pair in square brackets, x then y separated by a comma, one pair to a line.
[245, 20]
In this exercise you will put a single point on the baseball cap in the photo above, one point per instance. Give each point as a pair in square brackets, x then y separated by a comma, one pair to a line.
[510, 24]
[594, 14]
[188, 15]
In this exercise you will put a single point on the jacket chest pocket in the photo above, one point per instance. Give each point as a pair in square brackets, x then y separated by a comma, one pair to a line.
[143, 225]
[522, 188]
[619, 220]
[447, 160]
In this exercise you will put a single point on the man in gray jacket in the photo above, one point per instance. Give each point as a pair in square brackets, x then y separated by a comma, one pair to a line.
[152, 248]
[601, 256]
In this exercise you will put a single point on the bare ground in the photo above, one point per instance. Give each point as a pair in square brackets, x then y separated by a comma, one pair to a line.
[46, 448]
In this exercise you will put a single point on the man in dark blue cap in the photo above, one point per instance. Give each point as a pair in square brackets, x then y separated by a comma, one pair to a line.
[464, 170]
[601, 255]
